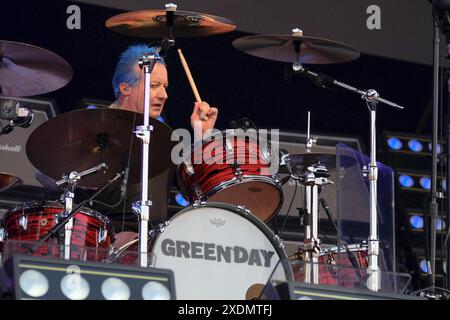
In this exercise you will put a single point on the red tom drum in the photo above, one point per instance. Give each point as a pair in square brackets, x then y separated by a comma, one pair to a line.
[232, 168]
[92, 233]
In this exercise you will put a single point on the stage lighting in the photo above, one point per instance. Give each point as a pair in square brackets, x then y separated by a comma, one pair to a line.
[33, 283]
[394, 143]
[115, 289]
[406, 181]
[155, 291]
[416, 221]
[425, 182]
[45, 278]
[423, 266]
[415, 145]
[440, 225]
[181, 200]
[438, 147]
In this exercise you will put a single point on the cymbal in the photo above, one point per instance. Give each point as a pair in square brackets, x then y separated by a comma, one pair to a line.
[304, 160]
[152, 24]
[8, 181]
[27, 70]
[283, 48]
[73, 142]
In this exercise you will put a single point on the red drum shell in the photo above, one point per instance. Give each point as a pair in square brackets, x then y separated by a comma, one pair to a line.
[87, 224]
[217, 179]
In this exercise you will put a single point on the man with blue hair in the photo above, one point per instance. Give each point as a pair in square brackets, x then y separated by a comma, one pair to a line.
[128, 85]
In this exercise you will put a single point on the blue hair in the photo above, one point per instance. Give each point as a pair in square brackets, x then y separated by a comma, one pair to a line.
[128, 59]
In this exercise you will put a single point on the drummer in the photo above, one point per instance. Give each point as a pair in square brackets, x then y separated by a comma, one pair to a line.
[128, 85]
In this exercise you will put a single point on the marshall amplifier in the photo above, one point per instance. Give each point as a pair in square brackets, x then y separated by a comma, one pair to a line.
[13, 157]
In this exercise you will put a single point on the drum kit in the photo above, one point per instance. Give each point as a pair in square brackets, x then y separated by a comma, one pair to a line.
[220, 247]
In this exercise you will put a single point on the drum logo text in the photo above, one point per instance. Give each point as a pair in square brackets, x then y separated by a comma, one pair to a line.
[211, 251]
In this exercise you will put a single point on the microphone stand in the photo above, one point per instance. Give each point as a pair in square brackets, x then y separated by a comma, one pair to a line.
[68, 215]
[142, 208]
[372, 98]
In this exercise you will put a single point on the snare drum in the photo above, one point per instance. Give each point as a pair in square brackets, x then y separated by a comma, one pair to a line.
[344, 268]
[31, 221]
[232, 169]
[216, 251]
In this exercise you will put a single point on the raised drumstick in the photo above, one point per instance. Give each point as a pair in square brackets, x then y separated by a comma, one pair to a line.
[203, 116]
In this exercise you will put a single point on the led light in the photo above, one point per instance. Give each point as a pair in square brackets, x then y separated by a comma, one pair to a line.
[425, 182]
[181, 200]
[115, 289]
[406, 181]
[394, 143]
[33, 283]
[444, 184]
[75, 287]
[415, 145]
[416, 221]
[155, 291]
[438, 148]
[440, 225]
[423, 266]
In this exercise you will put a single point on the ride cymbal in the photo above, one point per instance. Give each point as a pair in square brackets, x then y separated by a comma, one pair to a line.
[82, 139]
[296, 48]
[152, 24]
[27, 70]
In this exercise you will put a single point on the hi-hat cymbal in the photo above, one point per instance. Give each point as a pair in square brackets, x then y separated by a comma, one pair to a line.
[72, 142]
[152, 24]
[8, 181]
[296, 48]
[27, 70]
[303, 160]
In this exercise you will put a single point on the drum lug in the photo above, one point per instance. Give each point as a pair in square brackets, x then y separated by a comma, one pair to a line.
[162, 226]
[279, 241]
[23, 222]
[237, 171]
[198, 203]
[189, 168]
[243, 208]
[102, 234]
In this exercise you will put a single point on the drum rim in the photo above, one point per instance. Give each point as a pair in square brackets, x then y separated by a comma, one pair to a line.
[271, 236]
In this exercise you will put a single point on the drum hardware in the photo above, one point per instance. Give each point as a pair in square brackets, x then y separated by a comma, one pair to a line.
[371, 98]
[67, 218]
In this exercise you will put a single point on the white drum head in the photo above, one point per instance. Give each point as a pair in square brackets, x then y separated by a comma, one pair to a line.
[219, 252]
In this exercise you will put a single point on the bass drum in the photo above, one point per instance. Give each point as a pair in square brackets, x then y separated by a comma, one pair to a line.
[219, 251]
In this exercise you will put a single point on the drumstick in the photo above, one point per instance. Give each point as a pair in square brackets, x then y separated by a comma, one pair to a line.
[192, 83]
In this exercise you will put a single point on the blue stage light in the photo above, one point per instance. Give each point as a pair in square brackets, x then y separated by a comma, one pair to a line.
[415, 145]
[440, 225]
[438, 148]
[425, 182]
[423, 266]
[181, 200]
[416, 221]
[394, 143]
[406, 181]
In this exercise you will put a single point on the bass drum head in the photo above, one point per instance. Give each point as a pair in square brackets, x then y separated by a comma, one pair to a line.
[218, 251]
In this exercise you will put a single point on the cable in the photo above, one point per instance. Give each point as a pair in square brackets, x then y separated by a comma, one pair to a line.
[290, 206]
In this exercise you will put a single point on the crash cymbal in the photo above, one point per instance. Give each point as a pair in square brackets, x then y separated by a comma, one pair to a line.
[152, 24]
[304, 160]
[8, 181]
[27, 70]
[73, 142]
[296, 48]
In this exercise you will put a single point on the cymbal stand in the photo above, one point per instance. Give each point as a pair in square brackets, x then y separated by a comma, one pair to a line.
[142, 208]
[372, 98]
[67, 198]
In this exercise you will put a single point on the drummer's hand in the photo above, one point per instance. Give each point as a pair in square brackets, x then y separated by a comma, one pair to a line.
[207, 122]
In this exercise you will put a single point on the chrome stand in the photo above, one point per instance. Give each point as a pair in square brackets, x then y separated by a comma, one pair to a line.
[67, 198]
[314, 179]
